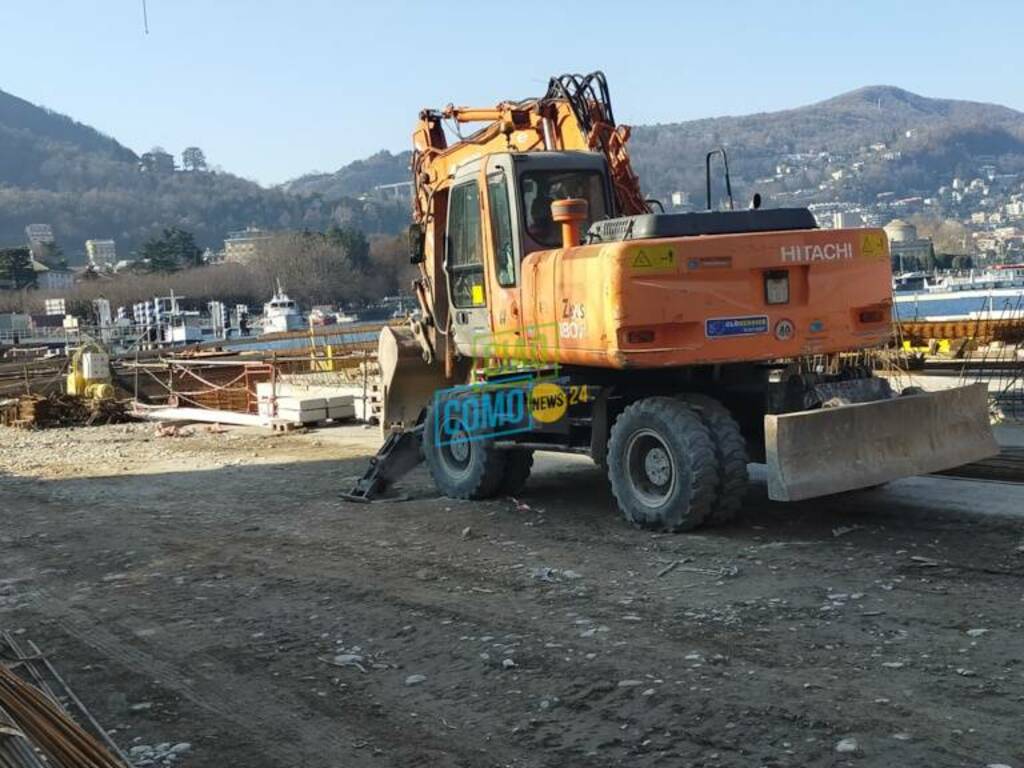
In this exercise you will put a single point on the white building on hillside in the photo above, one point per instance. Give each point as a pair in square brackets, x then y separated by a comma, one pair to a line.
[102, 253]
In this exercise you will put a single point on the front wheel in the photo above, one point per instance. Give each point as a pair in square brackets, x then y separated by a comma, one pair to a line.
[463, 466]
[662, 465]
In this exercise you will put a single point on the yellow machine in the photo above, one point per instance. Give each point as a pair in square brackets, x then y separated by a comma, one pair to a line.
[89, 373]
[560, 311]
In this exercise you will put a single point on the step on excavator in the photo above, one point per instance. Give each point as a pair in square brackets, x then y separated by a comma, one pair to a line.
[561, 310]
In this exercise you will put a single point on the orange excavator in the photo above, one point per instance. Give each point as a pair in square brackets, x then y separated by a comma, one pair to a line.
[560, 310]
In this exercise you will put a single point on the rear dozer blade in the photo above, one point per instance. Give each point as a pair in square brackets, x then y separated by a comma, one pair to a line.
[408, 381]
[815, 453]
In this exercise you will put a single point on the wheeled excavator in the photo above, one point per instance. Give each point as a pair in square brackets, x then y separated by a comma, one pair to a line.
[561, 310]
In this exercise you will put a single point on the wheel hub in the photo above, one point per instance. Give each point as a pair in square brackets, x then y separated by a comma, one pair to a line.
[651, 467]
[658, 466]
[459, 446]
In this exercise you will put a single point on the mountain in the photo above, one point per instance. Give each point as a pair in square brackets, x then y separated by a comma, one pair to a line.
[355, 178]
[34, 140]
[56, 171]
[927, 141]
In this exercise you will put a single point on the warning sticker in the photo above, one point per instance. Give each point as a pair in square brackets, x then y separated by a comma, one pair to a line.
[872, 245]
[653, 259]
[477, 295]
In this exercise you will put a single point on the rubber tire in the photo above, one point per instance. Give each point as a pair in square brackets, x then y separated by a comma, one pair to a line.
[518, 464]
[731, 453]
[483, 474]
[693, 451]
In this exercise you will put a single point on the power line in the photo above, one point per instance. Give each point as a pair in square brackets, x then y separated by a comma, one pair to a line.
[145, 17]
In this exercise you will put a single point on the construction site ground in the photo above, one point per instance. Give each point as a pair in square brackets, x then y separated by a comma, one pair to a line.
[212, 588]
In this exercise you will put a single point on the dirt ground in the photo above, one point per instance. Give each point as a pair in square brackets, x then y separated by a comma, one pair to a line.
[213, 589]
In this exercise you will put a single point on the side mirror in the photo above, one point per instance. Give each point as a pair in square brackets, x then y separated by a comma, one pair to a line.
[417, 239]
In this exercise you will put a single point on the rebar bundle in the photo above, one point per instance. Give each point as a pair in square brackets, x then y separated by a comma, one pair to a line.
[37, 720]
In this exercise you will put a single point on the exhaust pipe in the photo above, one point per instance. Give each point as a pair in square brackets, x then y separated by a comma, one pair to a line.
[571, 214]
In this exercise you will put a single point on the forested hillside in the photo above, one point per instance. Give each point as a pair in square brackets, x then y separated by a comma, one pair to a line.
[86, 185]
[927, 140]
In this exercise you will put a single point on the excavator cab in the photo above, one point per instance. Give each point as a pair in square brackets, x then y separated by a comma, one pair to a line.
[499, 211]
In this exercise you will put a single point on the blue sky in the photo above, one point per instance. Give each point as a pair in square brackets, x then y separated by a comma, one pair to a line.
[272, 89]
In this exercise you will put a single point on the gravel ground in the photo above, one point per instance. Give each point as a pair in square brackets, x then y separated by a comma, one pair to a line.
[210, 593]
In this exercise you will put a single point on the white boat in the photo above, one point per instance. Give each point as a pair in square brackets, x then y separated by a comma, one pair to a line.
[183, 327]
[996, 293]
[281, 314]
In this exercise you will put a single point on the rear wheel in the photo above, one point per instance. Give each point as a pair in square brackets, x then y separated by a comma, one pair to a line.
[661, 465]
[463, 467]
[730, 453]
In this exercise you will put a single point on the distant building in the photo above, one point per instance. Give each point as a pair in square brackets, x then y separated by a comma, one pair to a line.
[56, 307]
[102, 253]
[847, 220]
[905, 246]
[400, 191]
[156, 161]
[39, 234]
[52, 278]
[243, 246]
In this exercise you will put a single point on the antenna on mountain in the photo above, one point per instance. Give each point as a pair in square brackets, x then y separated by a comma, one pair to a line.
[145, 17]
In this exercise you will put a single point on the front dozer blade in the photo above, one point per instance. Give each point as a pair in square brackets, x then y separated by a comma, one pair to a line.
[815, 453]
[408, 381]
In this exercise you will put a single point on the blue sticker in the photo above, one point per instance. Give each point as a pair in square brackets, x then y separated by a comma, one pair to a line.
[717, 327]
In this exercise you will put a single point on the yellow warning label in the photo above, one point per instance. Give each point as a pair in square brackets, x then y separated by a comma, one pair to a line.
[653, 259]
[872, 245]
[548, 402]
[478, 295]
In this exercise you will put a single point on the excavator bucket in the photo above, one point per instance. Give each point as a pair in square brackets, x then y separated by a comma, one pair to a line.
[815, 453]
[408, 381]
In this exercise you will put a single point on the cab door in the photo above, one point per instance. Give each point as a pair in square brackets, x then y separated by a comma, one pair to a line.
[506, 257]
[464, 264]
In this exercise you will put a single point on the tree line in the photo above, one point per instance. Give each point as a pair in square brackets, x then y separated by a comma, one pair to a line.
[338, 266]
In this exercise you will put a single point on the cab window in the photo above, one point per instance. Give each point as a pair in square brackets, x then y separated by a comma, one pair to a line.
[541, 188]
[501, 229]
[465, 247]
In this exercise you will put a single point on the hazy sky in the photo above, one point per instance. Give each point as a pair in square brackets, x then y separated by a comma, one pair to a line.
[272, 89]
